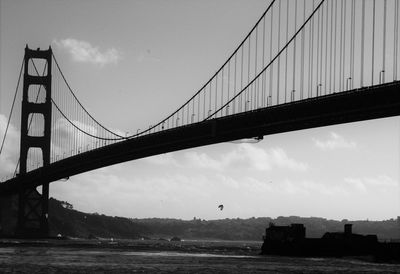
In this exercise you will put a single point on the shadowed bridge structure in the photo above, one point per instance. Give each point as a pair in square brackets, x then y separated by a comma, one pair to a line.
[304, 64]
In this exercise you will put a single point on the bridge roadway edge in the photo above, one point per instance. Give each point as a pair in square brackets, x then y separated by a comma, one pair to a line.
[337, 108]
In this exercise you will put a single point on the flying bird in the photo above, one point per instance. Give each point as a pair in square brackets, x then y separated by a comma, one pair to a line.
[221, 207]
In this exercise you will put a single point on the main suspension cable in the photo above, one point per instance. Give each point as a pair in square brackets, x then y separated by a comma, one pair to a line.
[12, 107]
[210, 80]
[276, 56]
[84, 109]
[72, 123]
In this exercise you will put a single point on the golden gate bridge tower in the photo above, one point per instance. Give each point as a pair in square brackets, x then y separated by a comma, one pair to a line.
[33, 205]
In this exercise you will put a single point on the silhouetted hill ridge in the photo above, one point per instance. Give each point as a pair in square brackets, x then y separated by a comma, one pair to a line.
[66, 221]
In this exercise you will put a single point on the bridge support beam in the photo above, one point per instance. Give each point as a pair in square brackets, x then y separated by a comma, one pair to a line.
[32, 203]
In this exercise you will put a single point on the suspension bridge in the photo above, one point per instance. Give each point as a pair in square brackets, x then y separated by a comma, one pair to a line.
[304, 64]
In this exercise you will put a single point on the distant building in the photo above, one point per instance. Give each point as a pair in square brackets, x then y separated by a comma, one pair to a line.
[291, 240]
[285, 233]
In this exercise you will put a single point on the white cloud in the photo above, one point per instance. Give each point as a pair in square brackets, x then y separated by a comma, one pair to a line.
[255, 157]
[201, 160]
[382, 180]
[357, 184]
[9, 155]
[183, 194]
[68, 135]
[312, 189]
[250, 156]
[165, 159]
[335, 141]
[281, 159]
[243, 156]
[373, 184]
[82, 51]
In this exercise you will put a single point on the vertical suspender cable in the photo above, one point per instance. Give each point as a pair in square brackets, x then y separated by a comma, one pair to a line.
[344, 45]
[396, 37]
[229, 81]
[373, 42]
[187, 111]
[318, 39]
[294, 50]
[241, 81]
[309, 86]
[271, 72]
[198, 109]
[192, 114]
[287, 39]
[234, 86]
[384, 41]
[278, 80]
[330, 50]
[362, 43]
[352, 37]
[209, 109]
[204, 103]
[341, 47]
[248, 74]
[334, 49]
[222, 89]
[186, 106]
[321, 49]
[216, 94]
[255, 70]
[302, 53]
[326, 49]
[263, 63]
[312, 53]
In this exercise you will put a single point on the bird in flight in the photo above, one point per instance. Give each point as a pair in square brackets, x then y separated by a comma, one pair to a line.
[221, 207]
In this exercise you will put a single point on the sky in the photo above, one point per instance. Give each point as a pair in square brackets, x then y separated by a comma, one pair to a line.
[133, 62]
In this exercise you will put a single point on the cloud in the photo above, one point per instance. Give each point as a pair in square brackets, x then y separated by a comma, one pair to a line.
[68, 137]
[357, 184]
[140, 196]
[67, 140]
[201, 160]
[249, 156]
[82, 51]
[242, 156]
[190, 159]
[373, 184]
[281, 159]
[10, 153]
[255, 157]
[335, 141]
[165, 159]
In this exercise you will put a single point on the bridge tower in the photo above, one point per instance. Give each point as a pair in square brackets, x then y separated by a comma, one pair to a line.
[33, 205]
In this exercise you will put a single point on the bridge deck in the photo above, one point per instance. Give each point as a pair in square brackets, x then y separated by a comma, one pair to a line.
[356, 105]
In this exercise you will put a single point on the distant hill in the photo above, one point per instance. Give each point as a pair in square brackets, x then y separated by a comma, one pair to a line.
[66, 221]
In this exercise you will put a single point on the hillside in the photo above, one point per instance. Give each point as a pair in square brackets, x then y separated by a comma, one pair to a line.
[66, 221]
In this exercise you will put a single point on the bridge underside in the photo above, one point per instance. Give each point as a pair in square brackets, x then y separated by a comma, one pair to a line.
[356, 105]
